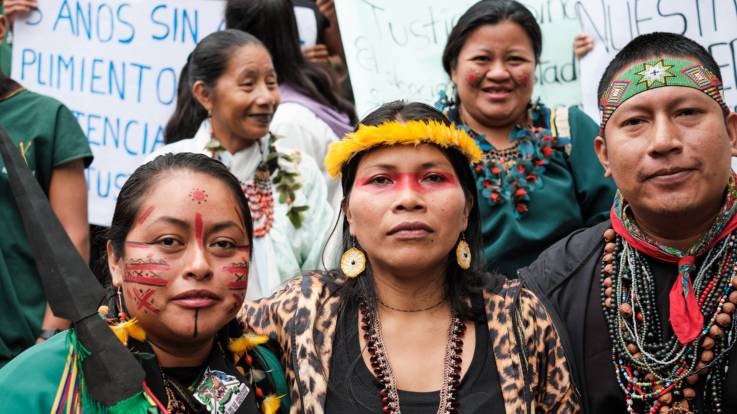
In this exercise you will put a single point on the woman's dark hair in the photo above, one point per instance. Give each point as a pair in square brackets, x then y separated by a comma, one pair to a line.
[274, 23]
[207, 63]
[460, 284]
[490, 12]
[147, 175]
[652, 45]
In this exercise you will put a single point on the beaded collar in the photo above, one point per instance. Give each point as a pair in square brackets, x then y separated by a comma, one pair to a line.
[659, 374]
[510, 176]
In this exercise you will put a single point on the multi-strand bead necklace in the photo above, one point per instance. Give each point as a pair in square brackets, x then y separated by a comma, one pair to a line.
[259, 192]
[657, 374]
[260, 200]
[449, 402]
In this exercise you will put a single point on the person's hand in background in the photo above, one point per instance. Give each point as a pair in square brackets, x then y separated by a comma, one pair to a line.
[582, 45]
[327, 8]
[317, 53]
[14, 8]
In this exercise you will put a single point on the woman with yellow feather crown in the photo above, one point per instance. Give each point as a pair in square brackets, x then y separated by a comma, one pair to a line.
[409, 323]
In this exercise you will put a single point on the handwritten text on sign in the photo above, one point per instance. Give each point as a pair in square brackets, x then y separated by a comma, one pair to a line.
[394, 48]
[613, 23]
[116, 65]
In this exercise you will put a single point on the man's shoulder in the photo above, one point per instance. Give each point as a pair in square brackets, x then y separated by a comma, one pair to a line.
[564, 259]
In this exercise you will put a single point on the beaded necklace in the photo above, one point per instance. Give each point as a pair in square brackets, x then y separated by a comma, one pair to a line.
[659, 374]
[449, 402]
[259, 191]
[504, 175]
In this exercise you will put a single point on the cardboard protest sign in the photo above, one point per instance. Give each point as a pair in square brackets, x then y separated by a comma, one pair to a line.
[613, 23]
[393, 49]
[116, 66]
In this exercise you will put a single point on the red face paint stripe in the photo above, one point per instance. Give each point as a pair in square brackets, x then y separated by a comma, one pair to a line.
[137, 245]
[237, 268]
[238, 284]
[145, 280]
[142, 300]
[146, 266]
[145, 215]
[198, 228]
[414, 181]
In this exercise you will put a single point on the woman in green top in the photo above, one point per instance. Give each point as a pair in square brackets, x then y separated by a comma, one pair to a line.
[539, 178]
[179, 253]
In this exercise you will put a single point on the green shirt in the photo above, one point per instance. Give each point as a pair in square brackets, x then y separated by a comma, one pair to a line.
[574, 194]
[49, 136]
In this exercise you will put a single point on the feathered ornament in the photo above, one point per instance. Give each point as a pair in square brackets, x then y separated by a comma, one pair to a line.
[247, 341]
[129, 328]
[270, 404]
[399, 133]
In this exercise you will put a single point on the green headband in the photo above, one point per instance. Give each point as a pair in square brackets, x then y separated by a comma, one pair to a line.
[657, 73]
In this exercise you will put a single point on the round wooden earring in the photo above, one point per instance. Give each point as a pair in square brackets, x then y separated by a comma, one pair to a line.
[353, 262]
[463, 254]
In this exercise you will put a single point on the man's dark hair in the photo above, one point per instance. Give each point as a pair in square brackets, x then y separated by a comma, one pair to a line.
[656, 44]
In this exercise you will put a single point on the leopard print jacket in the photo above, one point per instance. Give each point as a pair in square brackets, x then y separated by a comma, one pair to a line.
[301, 317]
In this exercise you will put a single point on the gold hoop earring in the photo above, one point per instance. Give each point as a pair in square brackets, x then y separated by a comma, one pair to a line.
[353, 261]
[463, 253]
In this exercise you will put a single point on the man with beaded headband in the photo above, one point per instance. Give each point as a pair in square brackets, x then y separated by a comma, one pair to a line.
[648, 298]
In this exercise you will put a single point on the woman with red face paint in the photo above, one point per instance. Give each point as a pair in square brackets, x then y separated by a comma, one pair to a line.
[409, 323]
[539, 178]
[179, 251]
[228, 94]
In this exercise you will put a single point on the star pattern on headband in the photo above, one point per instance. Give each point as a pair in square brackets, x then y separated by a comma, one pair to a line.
[657, 73]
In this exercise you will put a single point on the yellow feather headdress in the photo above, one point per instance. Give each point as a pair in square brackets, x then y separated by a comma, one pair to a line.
[399, 133]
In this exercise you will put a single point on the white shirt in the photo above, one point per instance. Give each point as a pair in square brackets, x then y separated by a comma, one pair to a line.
[299, 128]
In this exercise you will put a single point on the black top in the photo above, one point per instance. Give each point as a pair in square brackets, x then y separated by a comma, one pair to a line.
[558, 276]
[352, 387]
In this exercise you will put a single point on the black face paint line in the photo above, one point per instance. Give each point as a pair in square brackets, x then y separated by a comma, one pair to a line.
[196, 316]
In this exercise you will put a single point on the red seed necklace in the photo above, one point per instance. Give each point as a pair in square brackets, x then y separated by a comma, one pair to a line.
[371, 327]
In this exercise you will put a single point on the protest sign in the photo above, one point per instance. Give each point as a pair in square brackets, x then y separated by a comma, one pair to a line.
[116, 65]
[613, 23]
[394, 48]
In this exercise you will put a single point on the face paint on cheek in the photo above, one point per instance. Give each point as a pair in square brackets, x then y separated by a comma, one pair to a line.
[145, 215]
[198, 228]
[144, 271]
[198, 196]
[137, 245]
[473, 78]
[415, 181]
[144, 300]
[239, 271]
[523, 80]
[239, 299]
